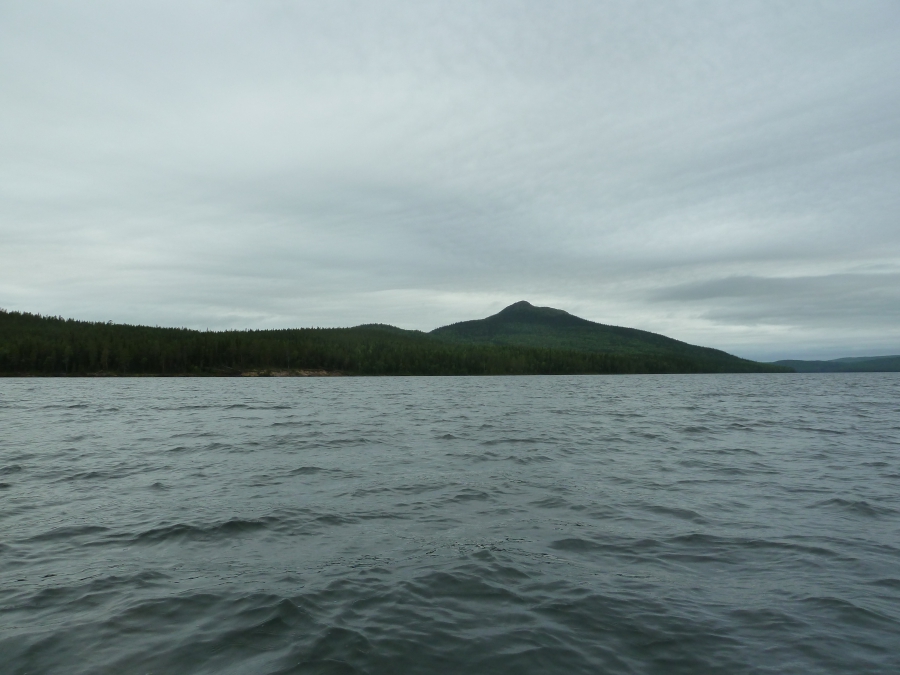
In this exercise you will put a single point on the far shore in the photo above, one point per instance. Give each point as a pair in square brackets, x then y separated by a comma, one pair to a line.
[246, 373]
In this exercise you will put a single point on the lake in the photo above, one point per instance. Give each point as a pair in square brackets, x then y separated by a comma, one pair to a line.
[589, 524]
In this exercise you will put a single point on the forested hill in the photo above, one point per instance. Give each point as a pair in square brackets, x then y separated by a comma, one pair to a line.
[851, 364]
[37, 345]
[522, 324]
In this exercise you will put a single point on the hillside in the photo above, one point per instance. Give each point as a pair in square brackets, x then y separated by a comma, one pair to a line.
[850, 364]
[522, 324]
[36, 345]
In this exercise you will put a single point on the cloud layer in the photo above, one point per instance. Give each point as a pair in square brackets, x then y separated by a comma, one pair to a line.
[725, 175]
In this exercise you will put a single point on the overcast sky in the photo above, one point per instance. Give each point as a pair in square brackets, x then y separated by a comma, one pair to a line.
[723, 173]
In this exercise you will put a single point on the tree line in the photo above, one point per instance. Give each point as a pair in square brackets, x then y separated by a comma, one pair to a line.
[31, 344]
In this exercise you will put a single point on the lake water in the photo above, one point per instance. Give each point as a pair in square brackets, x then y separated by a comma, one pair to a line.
[596, 524]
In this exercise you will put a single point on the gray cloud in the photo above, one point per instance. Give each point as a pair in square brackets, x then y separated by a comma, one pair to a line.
[819, 312]
[723, 174]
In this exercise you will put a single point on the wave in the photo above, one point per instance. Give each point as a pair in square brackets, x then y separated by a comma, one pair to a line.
[857, 507]
[69, 532]
[183, 532]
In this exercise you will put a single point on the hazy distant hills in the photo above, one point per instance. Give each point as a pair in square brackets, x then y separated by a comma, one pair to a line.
[522, 324]
[520, 340]
[851, 364]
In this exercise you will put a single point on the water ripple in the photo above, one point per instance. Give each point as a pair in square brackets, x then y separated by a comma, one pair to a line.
[647, 524]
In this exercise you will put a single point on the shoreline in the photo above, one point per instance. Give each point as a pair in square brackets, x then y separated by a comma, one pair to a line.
[326, 373]
[247, 373]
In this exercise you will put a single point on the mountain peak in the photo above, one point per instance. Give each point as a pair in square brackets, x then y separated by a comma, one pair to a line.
[521, 305]
[522, 314]
[525, 310]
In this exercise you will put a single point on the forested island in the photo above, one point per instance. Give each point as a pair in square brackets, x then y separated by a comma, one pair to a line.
[520, 340]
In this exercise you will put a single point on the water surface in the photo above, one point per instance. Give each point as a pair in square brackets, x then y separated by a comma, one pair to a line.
[601, 524]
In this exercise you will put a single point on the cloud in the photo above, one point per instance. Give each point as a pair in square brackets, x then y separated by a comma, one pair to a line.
[827, 312]
[254, 164]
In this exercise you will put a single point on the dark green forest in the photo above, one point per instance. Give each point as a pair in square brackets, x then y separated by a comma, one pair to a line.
[524, 325]
[31, 344]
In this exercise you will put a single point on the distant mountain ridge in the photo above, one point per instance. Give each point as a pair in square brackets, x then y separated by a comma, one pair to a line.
[848, 364]
[524, 325]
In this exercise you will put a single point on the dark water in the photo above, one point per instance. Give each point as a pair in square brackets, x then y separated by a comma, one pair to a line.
[671, 524]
